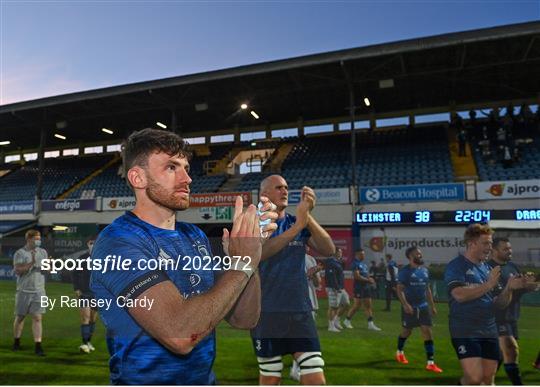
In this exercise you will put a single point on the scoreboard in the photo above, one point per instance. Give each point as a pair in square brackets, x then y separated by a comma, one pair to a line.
[444, 217]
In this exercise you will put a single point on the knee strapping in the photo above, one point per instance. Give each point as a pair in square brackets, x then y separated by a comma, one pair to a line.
[310, 362]
[270, 366]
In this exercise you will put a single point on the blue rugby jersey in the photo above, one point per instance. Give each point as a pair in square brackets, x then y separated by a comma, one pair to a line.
[512, 311]
[415, 282]
[136, 357]
[360, 266]
[475, 318]
[283, 276]
[333, 274]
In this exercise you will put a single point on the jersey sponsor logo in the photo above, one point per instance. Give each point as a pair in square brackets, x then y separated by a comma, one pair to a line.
[296, 243]
[469, 272]
[462, 350]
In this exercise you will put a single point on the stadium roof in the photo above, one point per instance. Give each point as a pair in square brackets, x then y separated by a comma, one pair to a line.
[471, 67]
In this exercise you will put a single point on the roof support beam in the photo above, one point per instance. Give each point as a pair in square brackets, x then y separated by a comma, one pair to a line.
[529, 47]
[463, 56]
[352, 109]
[403, 67]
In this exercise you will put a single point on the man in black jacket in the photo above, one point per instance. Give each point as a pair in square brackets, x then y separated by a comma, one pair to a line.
[81, 285]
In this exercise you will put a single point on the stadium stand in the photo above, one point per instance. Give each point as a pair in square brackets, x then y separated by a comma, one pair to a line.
[107, 184]
[110, 182]
[527, 166]
[58, 176]
[384, 157]
[215, 153]
[393, 156]
[252, 181]
[404, 156]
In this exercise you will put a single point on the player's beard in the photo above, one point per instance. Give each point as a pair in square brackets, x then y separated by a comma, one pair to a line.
[418, 261]
[159, 195]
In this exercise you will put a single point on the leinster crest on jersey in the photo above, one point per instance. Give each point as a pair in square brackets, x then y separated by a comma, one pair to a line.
[201, 248]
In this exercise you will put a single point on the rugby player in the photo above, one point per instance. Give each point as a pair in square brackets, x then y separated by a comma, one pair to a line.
[362, 291]
[173, 341]
[507, 318]
[474, 294]
[391, 280]
[417, 306]
[314, 280]
[286, 325]
[338, 298]
[81, 285]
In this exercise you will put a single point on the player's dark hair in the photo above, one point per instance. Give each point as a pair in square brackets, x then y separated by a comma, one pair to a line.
[498, 241]
[141, 144]
[410, 250]
[475, 231]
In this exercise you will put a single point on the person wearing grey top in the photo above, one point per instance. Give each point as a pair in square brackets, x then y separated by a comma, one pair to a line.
[30, 288]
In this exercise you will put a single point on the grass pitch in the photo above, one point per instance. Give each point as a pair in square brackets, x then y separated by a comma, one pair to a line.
[356, 356]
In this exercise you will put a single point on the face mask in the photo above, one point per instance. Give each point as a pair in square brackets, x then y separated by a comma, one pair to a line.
[37, 243]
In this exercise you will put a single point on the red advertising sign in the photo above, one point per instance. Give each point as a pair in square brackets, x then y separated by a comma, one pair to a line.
[218, 199]
[342, 238]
